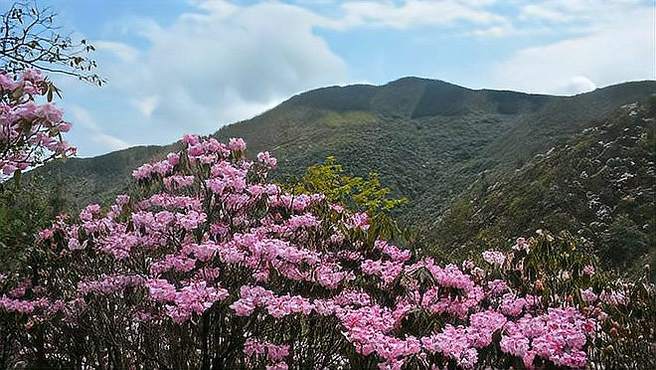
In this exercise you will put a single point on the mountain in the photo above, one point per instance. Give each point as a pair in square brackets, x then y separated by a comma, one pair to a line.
[600, 186]
[429, 140]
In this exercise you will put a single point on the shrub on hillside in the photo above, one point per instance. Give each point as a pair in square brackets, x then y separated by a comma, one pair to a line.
[210, 265]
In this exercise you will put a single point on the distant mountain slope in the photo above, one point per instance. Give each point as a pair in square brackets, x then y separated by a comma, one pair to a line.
[84, 180]
[427, 152]
[600, 186]
[428, 140]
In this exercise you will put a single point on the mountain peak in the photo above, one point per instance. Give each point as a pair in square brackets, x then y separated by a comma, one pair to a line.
[422, 81]
[414, 97]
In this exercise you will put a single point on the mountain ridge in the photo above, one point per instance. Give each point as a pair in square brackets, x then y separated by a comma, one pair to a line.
[609, 87]
[294, 102]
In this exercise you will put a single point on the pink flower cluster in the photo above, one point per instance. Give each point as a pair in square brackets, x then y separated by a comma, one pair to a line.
[589, 296]
[42, 308]
[614, 297]
[494, 257]
[558, 336]
[276, 306]
[30, 134]
[194, 298]
[20, 305]
[588, 270]
[210, 237]
[267, 159]
[359, 221]
[521, 245]
[388, 271]
[161, 168]
[369, 329]
[513, 305]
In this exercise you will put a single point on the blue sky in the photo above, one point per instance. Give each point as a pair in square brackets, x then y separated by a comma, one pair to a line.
[177, 66]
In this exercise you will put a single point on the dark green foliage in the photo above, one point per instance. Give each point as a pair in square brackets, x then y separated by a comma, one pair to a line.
[24, 211]
[340, 99]
[625, 241]
[600, 186]
[443, 99]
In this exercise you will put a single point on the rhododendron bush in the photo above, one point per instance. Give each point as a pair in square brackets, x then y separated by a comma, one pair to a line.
[30, 133]
[209, 264]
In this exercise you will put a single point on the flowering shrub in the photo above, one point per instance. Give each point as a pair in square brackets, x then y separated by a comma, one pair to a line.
[210, 265]
[30, 133]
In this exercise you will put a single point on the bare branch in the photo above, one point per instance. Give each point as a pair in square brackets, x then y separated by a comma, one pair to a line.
[29, 38]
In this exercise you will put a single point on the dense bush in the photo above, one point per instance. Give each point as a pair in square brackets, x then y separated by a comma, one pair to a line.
[210, 265]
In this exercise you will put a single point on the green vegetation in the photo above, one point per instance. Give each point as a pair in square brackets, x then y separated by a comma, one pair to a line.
[25, 209]
[599, 186]
[447, 149]
[355, 193]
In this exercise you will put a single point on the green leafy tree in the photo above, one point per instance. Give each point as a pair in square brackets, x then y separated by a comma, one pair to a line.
[624, 241]
[354, 192]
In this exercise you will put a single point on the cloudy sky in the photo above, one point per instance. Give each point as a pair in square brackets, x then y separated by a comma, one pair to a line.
[177, 66]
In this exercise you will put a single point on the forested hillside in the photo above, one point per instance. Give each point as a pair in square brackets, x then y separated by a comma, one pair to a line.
[429, 141]
[598, 186]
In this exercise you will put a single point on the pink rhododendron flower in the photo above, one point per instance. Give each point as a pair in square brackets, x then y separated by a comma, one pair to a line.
[237, 144]
[209, 248]
[267, 159]
[613, 297]
[588, 270]
[494, 257]
[588, 295]
[30, 133]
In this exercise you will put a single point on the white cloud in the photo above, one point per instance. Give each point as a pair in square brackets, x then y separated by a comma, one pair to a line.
[109, 141]
[84, 118]
[542, 12]
[577, 84]
[617, 52]
[494, 31]
[124, 52]
[590, 13]
[215, 65]
[413, 13]
[146, 105]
